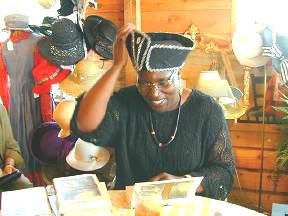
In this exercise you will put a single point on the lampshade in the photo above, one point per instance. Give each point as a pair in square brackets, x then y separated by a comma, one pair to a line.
[210, 83]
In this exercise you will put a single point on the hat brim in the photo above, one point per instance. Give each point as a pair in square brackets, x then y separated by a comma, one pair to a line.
[75, 89]
[17, 29]
[45, 30]
[88, 166]
[59, 56]
[64, 133]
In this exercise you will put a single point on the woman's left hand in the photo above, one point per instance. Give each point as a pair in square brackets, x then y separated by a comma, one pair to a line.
[8, 169]
[165, 176]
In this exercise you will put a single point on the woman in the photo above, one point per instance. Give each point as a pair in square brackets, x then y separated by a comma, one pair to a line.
[10, 156]
[159, 130]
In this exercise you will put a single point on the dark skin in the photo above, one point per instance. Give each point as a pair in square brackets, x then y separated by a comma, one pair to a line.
[92, 111]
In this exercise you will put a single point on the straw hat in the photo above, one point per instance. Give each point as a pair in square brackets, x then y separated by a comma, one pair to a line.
[47, 4]
[247, 47]
[84, 76]
[86, 156]
[62, 115]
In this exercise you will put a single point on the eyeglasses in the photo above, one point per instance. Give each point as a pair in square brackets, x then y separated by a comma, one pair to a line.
[162, 84]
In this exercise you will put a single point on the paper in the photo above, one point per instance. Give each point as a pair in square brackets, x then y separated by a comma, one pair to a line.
[10, 46]
[25, 202]
[172, 191]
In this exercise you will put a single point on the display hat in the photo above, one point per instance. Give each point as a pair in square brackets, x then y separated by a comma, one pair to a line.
[16, 22]
[63, 114]
[45, 28]
[158, 51]
[100, 34]
[86, 156]
[247, 47]
[47, 4]
[65, 45]
[66, 8]
[47, 147]
[276, 48]
[84, 76]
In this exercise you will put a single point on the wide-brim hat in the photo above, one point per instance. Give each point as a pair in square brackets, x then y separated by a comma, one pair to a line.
[100, 34]
[16, 22]
[158, 51]
[47, 147]
[84, 76]
[86, 156]
[45, 28]
[247, 47]
[65, 45]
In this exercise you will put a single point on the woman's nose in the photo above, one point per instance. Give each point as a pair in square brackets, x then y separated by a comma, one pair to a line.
[154, 90]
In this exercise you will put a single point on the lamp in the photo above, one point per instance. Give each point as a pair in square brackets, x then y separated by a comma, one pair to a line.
[210, 83]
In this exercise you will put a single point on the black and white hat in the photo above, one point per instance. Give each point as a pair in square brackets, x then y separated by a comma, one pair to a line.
[158, 51]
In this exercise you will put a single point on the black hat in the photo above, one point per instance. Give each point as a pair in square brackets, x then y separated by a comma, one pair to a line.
[100, 34]
[158, 51]
[66, 8]
[65, 45]
[45, 28]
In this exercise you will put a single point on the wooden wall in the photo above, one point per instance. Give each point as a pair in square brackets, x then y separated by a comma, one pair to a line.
[247, 140]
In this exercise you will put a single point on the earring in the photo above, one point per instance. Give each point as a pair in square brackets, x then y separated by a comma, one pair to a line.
[180, 85]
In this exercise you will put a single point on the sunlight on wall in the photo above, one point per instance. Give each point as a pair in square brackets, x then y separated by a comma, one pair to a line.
[269, 12]
[30, 8]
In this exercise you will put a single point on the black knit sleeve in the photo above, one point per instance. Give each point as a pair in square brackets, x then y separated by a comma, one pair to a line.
[106, 133]
[219, 168]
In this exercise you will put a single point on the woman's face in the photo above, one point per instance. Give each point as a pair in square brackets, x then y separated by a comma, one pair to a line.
[159, 90]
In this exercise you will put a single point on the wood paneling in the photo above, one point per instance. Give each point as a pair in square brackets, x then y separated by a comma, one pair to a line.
[180, 5]
[272, 181]
[247, 140]
[212, 22]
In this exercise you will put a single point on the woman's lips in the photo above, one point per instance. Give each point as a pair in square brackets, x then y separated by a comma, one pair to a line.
[156, 102]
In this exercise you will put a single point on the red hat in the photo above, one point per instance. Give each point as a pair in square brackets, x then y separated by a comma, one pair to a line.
[47, 74]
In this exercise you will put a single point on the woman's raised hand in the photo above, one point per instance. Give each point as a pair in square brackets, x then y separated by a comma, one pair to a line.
[120, 54]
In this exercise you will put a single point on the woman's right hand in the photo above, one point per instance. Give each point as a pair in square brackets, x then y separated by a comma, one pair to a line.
[120, 54]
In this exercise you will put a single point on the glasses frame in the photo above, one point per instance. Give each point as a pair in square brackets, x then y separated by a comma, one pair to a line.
[149, 85]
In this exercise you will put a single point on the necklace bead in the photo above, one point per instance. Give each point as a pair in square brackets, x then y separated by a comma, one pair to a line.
[153, 133]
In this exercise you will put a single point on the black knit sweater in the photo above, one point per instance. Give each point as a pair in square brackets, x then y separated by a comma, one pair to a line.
[202, 145]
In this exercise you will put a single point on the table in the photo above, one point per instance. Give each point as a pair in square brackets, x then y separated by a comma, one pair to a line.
[200, 206]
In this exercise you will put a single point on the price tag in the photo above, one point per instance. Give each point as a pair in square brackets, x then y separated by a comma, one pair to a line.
[10, 45]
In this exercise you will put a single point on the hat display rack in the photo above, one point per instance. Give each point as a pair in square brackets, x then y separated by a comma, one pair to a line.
[210, 47]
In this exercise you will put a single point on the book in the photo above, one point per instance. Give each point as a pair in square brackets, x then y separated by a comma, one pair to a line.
[25, 202]
[5, 179]
[81, 193]
[172, 191]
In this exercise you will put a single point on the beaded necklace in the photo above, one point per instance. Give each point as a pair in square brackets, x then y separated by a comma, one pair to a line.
[153, 133]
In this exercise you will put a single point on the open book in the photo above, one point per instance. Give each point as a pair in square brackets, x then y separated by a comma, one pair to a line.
[172, 191]
[79, 193]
